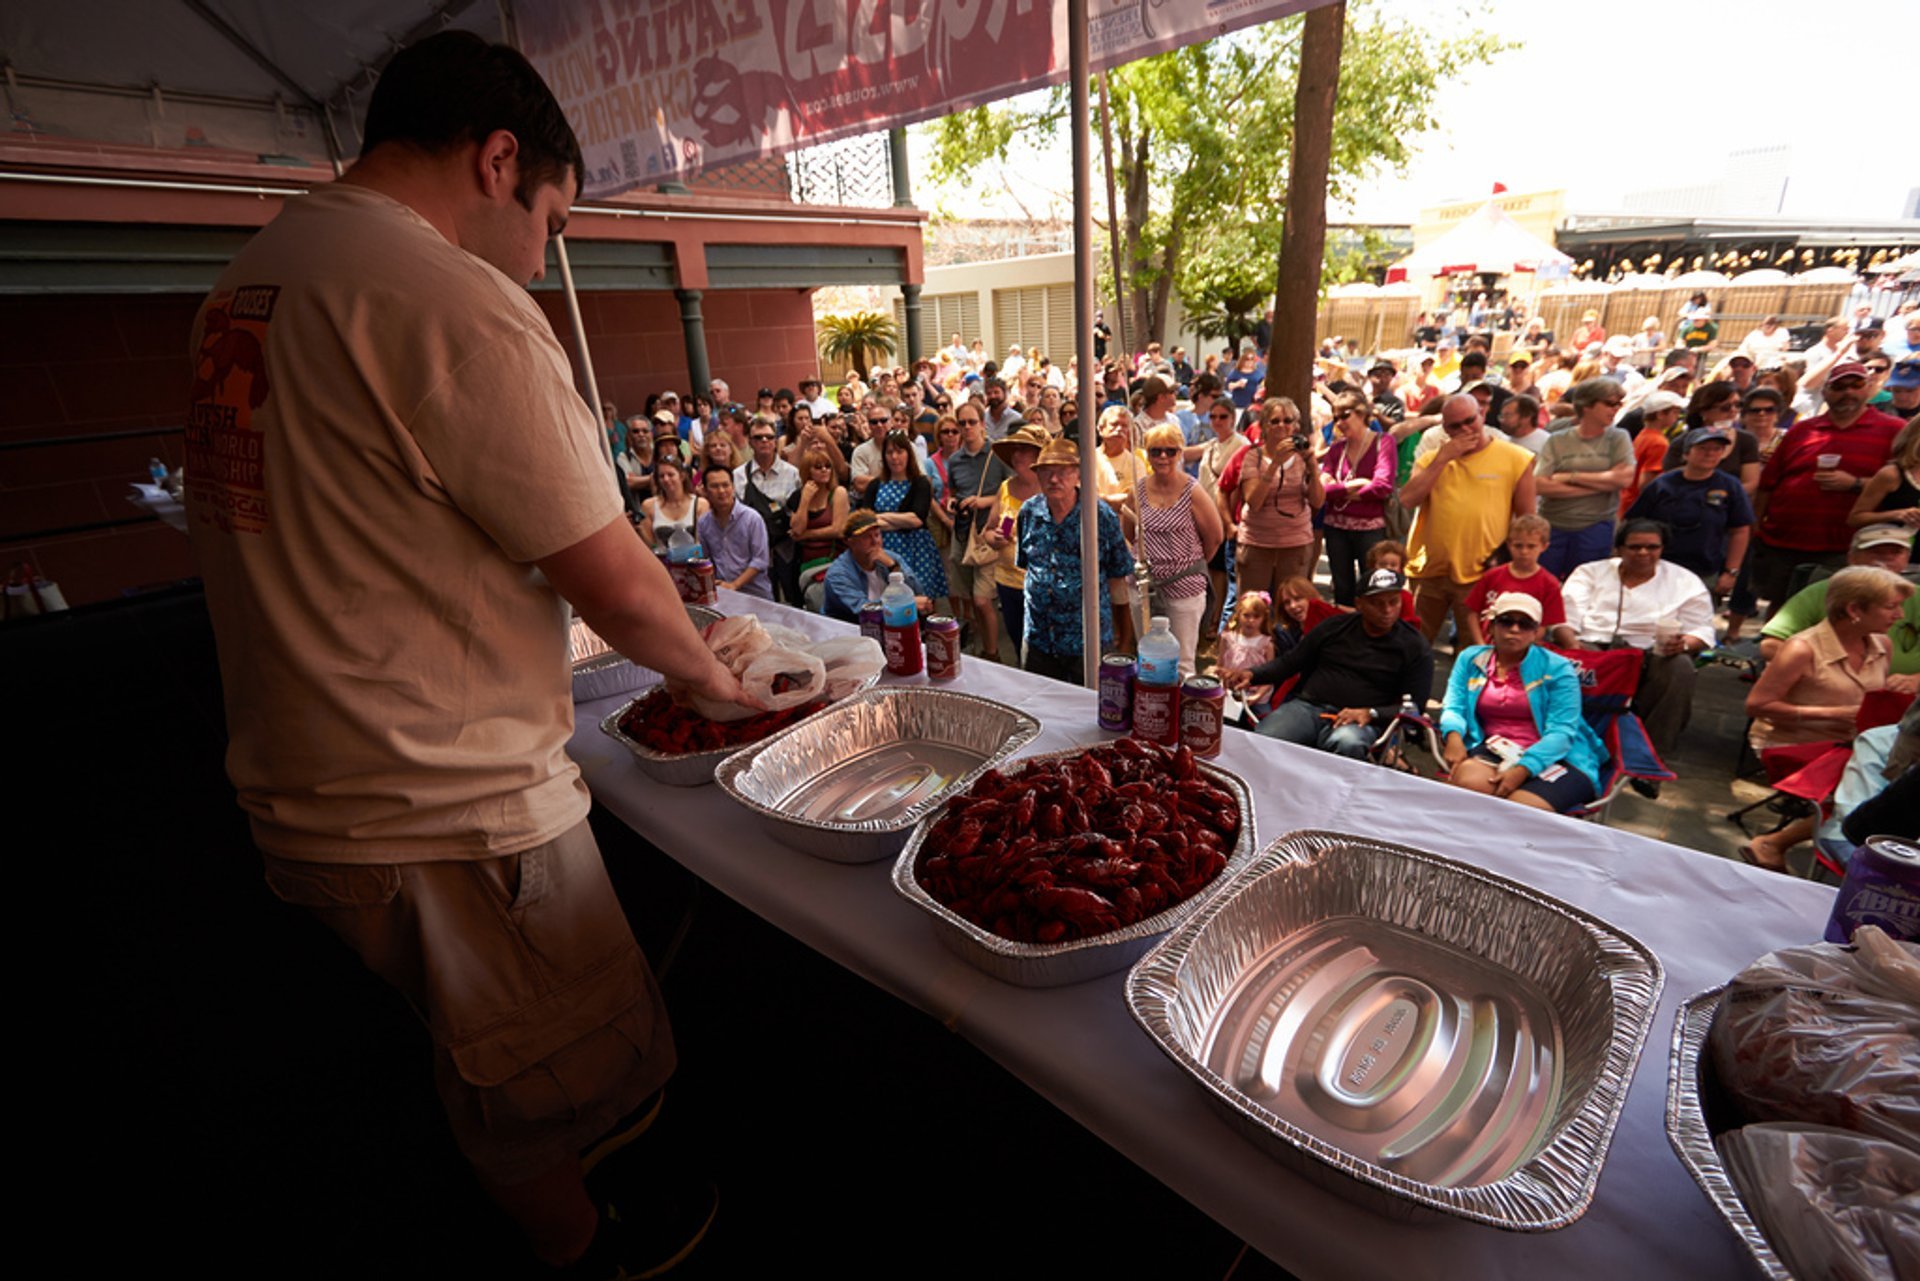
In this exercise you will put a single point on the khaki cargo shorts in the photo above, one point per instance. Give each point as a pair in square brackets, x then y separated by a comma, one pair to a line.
[547, 1025]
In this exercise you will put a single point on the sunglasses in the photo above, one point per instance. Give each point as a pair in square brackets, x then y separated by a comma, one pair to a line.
[759, 436]
[1763, 409]
[1226, 417]
[1281, 422]
[1457, 424]
[1162, 451]
[1615, 403]
[1520, 621]
[878, 422]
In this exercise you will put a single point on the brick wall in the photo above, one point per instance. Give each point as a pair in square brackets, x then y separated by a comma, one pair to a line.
[75, 368]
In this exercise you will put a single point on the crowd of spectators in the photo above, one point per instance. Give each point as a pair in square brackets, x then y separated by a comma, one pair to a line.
[1618, 491]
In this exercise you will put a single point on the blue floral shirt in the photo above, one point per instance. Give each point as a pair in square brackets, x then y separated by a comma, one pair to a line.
[1049, 551]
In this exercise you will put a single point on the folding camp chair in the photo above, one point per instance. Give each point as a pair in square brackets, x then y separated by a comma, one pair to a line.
[1804, 775]
[1609, 678]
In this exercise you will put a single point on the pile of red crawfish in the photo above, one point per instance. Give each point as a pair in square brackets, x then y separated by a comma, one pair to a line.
[659, 724]
[1069, 848]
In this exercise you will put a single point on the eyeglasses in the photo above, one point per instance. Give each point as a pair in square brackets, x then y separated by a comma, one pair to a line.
[1520, 621]
[1162, 451]
[949, 431]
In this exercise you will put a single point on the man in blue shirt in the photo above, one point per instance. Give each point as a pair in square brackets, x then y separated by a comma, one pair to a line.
[859, 574]
[1048, 536]
[1706, 512]
[734, 538]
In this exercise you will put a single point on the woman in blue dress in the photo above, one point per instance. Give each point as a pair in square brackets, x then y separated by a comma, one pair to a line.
[902, 496]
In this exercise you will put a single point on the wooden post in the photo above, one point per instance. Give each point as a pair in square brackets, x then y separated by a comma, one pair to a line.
[1303, 237]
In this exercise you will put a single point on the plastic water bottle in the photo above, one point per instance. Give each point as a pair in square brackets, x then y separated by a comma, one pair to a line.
[1159, 654]
[1408, 709]
[900, 624]
[157, 471]
[682, 547]
[1156, 689]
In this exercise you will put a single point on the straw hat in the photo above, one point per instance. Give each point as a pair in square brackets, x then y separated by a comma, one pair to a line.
[1030, 434]
[1059, 453]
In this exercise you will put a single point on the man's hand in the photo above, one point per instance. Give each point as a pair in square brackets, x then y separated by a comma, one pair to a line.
[1234, 678]
[1511, 779]
[1835, 479]
[1908, 683]
[716, 684]
[1353, 716]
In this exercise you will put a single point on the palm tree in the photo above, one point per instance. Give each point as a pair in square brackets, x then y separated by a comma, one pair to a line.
[849, 337]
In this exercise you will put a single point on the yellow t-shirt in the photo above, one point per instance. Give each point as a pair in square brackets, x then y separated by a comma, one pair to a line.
[1467, 514]
[383, 436]
[1006, 570]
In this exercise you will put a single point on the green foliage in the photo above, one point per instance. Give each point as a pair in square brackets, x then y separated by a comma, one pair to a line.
[1202, 138]
[851, 336]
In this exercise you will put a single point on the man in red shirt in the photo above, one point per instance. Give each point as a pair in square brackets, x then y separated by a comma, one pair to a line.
[1810, 483]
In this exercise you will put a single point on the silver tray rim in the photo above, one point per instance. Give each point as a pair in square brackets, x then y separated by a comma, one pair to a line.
[613, 657]
[1150, 981]
[1026, 729]
[979, 943]
[1693, 1143]
[692, 769]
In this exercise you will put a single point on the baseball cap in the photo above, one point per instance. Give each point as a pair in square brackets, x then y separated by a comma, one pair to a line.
[859, 523]
[1739, 356]
[1702, 436]
[1872, 325]
[1514, 603]
[1619, 345]
[1520, 357]
[1769, 394]
[1906, 374]
[1883, 536]
[1380, 364]
[1655, 402]
[669, 394]
[1846, 369]
[666, 417]
[1382, 580]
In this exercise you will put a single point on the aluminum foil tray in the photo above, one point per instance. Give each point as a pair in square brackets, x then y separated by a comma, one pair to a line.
[688, 769]
[848, 784]
[1419, 1034]
[600, 672]
[1691, 1093]
[1055, 964]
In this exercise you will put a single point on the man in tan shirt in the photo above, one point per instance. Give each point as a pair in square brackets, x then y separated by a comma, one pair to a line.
[394, 492]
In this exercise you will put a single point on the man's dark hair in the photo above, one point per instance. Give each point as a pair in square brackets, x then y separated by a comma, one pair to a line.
[1476, 359]
[1526, 409]
[711, 468]
[1152, 387]
[1209, 385]
[454, 88]
[993, 382]
[785, 393]
[1679, 356]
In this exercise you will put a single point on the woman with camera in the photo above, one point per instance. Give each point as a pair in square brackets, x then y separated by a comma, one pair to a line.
[1280, 488]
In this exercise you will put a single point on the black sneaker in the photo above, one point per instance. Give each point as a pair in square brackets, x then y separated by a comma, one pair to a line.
[625, 1130]
[1647, 787]
[654, 1234]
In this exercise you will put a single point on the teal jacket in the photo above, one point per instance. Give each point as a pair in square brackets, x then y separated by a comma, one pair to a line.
[1553, 691]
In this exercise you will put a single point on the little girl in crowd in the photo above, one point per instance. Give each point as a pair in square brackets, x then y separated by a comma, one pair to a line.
[1248, 642]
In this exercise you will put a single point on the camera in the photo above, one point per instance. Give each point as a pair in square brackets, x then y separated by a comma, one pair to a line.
[1300, 442]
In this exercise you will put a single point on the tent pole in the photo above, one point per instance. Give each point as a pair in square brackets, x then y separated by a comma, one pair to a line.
[1078, 57]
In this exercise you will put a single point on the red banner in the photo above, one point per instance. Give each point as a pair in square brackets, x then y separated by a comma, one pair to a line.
[659, 90]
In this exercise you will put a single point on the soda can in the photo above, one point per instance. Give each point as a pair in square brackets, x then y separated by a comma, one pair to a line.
[1882, 888]
[693, 580]
[1203, 708]
[703, 582]
[1116, 693]
[873, 623]
[942, 635]
[1156, 713]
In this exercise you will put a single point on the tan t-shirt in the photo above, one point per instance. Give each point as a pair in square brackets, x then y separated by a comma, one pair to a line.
[383, 435]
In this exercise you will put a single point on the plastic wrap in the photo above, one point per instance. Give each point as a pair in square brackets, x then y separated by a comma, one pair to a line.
[1826, 1035]
[779, 667]
[849, 661]
[1834, 1204]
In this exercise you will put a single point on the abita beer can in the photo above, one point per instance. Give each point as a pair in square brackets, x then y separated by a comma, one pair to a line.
[942, 635]
[873, 623]
[1116, 692]
[1203, 714]
[1882, 888]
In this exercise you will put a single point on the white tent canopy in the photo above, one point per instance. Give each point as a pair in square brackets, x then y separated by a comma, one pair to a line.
[1489, 241]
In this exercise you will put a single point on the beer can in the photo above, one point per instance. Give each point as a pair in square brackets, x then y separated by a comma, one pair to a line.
[1156, 713]
[942, 634]
[873, 623]
[1116, 693]
[1882, 888]
[1203, 708]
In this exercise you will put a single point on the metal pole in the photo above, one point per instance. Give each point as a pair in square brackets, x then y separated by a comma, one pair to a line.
[586, 360]
[1078, 58]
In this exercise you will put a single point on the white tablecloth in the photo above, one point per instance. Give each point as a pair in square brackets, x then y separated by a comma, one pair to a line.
[1705, 917]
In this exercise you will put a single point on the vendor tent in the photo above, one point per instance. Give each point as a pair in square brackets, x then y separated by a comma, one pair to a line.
[1488, 242]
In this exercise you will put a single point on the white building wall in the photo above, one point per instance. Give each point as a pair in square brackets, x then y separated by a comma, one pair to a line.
[1034, 272]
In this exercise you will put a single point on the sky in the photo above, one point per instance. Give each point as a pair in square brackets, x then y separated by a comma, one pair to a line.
[1636, 94]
